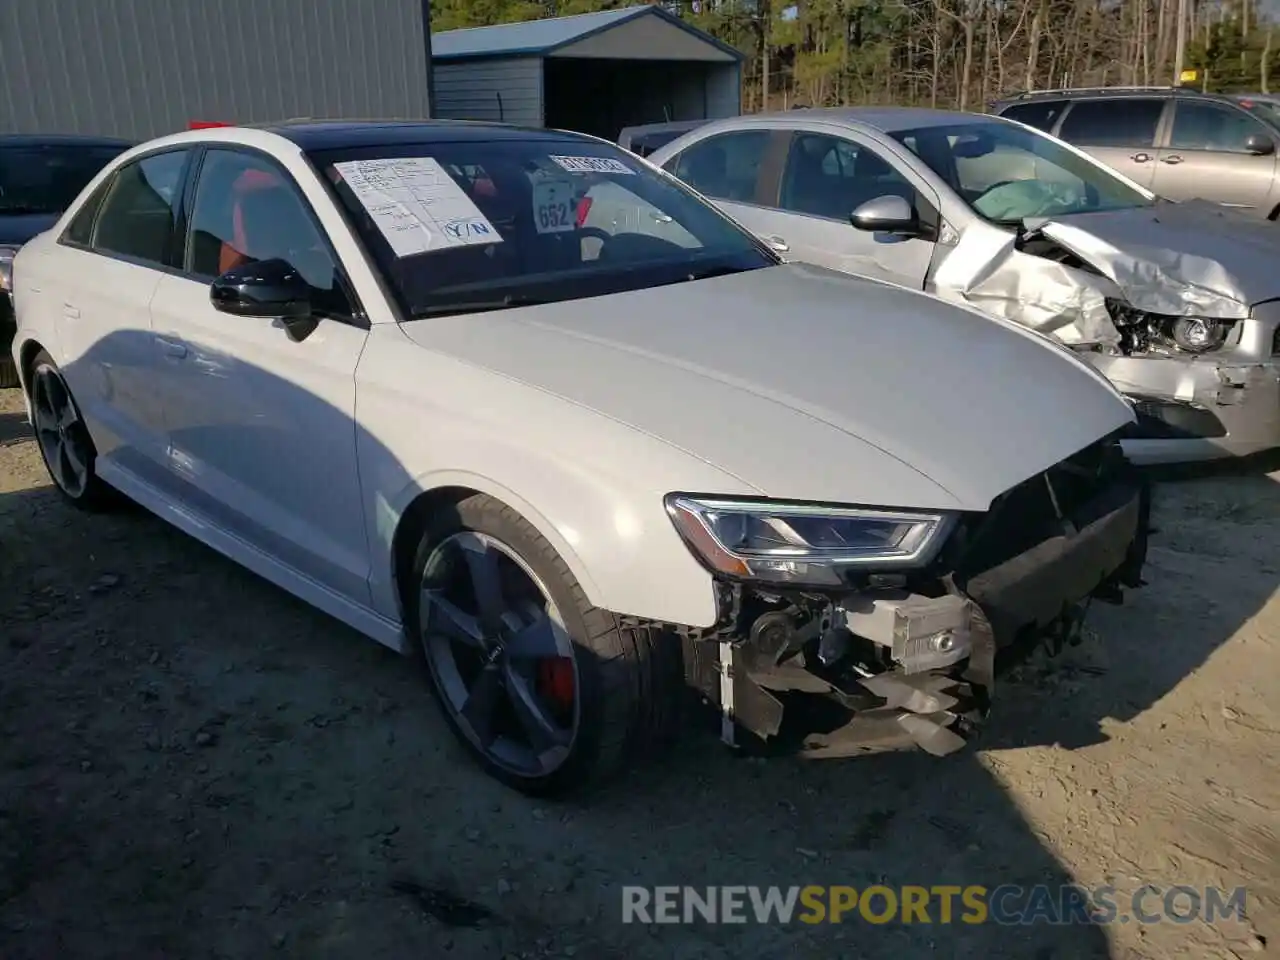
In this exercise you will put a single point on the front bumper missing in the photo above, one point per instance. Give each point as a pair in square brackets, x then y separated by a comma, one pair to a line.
[1035, 596]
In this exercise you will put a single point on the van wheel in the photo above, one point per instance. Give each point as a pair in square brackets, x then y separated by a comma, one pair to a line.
[550, 694]
[65, 445]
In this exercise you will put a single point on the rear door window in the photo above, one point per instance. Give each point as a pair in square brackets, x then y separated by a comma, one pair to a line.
[1041, 114]
[137, 216]
[1113, 122]
[726, 166]
[80, 232]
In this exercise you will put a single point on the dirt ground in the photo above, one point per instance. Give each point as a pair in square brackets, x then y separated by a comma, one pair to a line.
[193, 764]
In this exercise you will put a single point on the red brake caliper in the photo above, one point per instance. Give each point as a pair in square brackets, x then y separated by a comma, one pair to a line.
[555, 681]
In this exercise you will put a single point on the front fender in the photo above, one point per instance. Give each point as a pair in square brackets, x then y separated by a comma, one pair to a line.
[562, 538]
[591, 486]
[626, 557]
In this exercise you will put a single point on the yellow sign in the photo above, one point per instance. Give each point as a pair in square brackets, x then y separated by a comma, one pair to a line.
[1189, 76]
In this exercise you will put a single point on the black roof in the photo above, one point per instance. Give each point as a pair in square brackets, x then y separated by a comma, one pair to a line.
[335, 134]
[59, 139]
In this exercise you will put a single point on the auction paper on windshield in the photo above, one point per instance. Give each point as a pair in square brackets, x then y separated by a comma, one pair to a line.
[416, 205]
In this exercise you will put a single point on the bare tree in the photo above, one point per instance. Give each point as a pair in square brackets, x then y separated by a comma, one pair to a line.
[1266, 63]
[965, 53]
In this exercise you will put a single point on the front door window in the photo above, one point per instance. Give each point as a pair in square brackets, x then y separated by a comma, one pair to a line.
[831, 177]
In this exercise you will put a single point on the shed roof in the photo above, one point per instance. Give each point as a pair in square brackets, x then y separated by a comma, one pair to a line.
[534, 38]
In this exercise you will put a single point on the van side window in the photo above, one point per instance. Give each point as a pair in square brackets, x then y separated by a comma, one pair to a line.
[1041, 114]
[1112, 122]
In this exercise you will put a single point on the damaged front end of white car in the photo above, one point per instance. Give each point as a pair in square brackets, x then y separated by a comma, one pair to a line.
[862, 654]
[1177, 304]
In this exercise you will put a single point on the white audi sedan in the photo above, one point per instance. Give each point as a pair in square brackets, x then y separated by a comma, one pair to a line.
[523, 407]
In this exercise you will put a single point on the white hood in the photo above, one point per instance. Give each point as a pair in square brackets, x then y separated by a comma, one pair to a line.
[808, 384]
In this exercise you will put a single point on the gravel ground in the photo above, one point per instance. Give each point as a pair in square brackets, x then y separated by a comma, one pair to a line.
[194, 765]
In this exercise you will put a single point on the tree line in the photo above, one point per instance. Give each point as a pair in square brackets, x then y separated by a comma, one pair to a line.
[946, 53]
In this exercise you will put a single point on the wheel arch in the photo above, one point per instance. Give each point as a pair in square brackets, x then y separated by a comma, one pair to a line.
[440, 491]
[636, 566]
[27, 358]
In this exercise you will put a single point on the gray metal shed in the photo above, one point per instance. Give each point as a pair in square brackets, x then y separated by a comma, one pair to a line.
[141, 68]
[595, 72]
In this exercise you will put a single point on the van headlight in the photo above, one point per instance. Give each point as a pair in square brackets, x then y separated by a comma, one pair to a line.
[803, 544]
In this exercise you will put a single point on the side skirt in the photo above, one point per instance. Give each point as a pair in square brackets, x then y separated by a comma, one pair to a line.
[358, 617]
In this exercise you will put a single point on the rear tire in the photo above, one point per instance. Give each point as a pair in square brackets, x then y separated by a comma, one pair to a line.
[626, 683]
[65, 445]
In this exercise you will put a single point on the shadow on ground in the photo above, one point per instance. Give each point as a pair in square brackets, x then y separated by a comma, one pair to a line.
[194, 764]
[13, 427]
[1140, 651]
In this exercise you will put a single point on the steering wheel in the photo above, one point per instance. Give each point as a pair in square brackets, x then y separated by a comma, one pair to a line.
[581, 234]
[586, 233]
[637, 247]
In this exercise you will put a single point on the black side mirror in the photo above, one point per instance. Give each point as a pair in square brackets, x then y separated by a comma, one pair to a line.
[271, 289]
[1259, 144]
[887, 214]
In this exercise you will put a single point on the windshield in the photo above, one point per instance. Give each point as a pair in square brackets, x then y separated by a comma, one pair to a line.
[45, 178]
[1008, 173]
[487, 224]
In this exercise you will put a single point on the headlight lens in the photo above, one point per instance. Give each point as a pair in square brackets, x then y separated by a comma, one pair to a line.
[803, 544]
[1196, 335]
[6, 267]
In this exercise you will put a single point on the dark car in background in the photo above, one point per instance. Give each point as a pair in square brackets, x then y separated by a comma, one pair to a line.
[1179, 143]
[39, 177]
[642, 140]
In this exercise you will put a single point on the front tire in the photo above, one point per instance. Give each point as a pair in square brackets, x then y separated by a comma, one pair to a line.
[548, 693]
[65, 445]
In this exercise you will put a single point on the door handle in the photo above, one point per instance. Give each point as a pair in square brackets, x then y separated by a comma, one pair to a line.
[172, 348]
[1140, 157]
[71, 311]
[778, 244]
[1172, 161]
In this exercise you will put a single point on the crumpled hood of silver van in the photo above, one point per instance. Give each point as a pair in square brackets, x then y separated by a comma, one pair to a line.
[1193, 259]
